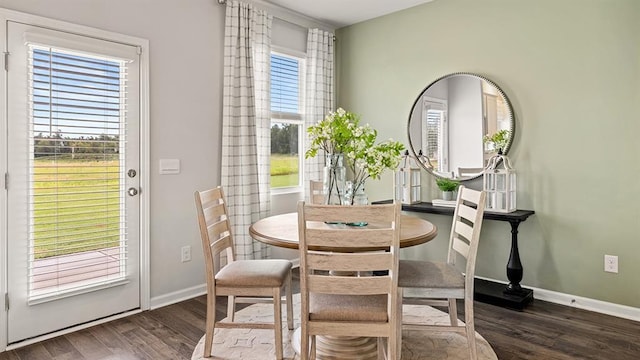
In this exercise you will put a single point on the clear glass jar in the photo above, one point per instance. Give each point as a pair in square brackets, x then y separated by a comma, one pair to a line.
[334, 179]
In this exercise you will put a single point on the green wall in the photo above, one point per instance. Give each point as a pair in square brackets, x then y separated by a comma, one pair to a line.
[571, 69]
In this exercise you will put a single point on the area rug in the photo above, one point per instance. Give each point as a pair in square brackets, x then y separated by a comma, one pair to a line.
[257, 344]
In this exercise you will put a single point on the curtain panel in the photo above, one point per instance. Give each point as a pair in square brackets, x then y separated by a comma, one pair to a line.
[318, 92]
[246, 123]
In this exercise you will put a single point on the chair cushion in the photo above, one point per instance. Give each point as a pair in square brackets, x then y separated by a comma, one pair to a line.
[428, 274]
[348, 307]
[254, 273]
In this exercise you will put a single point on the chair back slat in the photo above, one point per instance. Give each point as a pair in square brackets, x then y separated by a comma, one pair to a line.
[472, 196]
[372, 261]
[218, 229]
[350, 285]
[463, 229]
[461, 247]
[357, 237]
[214, 210]
[221, 244]
[211, 196]
[466, 212]
[349, 214]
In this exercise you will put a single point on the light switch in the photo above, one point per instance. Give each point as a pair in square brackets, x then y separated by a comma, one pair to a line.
[169, 166]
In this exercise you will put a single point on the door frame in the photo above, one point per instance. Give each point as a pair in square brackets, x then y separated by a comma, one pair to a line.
[144, 261]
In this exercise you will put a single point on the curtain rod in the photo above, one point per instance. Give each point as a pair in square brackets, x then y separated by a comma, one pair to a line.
[290, 16]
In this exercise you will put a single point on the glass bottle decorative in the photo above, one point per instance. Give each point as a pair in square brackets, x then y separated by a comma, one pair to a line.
[360, 197]
[334, 179]
[355, 197]
[352, 196]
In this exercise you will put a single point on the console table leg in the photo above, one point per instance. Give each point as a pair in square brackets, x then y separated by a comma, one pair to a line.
[513, 295]
[514, 266]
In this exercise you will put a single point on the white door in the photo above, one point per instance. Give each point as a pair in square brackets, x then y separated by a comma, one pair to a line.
[73, 164]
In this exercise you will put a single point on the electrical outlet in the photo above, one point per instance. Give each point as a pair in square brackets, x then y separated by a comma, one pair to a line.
[186, 253]
[611, 263]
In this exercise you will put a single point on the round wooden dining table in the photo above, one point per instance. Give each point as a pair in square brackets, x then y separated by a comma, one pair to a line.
[282, 231]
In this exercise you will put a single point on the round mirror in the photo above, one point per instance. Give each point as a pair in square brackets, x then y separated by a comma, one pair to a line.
[458, 123]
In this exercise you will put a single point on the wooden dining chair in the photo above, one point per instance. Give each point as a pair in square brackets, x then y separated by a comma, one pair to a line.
[441, 283]
[242, 281]
[333, 301]
[316, 192]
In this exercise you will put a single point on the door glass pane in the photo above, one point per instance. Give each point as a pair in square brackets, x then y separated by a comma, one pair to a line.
[77, 228]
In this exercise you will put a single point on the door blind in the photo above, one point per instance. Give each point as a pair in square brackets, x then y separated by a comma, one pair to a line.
[77, 228]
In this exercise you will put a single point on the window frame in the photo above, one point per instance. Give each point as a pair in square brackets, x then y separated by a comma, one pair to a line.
[293, 118]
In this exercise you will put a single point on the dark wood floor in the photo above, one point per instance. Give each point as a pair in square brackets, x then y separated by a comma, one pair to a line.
[543, 331]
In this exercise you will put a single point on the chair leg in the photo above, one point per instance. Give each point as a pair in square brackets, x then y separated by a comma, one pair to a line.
[231, 308]
[304, 342]
[470, 329]
[313, 354]
[277, 321]
[453, 312]
[289, 304]
[396, 332]
[210, 325]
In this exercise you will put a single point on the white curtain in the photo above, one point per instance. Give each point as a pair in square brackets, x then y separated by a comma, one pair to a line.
[318, 93]
[246, 123]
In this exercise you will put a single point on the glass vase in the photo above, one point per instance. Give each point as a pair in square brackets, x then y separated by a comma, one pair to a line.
[334, 179]
[355, 197]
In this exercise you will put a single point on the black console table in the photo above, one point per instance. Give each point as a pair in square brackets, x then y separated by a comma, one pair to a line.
[512, 295]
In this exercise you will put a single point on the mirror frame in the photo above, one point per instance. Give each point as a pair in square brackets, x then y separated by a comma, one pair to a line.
[418, 102]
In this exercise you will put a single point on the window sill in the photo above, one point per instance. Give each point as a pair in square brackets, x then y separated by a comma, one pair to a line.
[287, 190]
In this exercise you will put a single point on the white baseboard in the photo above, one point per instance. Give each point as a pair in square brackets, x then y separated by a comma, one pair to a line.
[177, 296]
[579, 302]
[603, 307]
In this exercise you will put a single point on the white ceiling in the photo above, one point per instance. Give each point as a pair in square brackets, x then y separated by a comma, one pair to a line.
[341, 13]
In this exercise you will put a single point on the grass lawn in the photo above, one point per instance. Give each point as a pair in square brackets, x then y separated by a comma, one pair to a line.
[76, 206]
[284, 170]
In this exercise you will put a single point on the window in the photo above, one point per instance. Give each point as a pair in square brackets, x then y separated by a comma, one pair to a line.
[286, 120]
